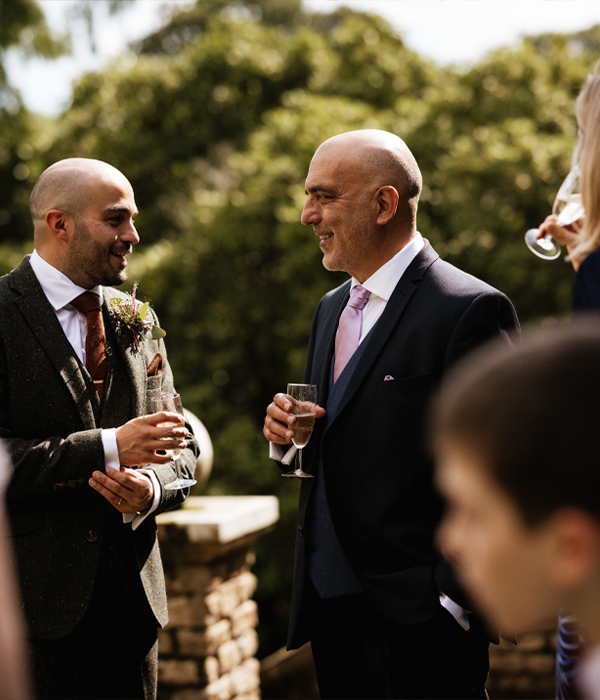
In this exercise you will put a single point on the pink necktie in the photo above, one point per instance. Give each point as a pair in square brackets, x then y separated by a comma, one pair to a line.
[349, 329]
[90, 304]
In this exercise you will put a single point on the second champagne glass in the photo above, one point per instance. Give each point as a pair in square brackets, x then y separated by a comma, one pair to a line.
[172, 402]
[304, 408]
[567, 208]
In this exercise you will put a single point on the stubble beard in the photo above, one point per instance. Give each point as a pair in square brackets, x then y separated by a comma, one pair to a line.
[358, 243]
[87, 262]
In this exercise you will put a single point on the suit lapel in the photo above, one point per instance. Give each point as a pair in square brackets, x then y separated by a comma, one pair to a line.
[41, 319]
[325, 343]
[407, 286]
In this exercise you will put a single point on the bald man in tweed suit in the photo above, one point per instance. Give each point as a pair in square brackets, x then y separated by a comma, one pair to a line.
[89, 464]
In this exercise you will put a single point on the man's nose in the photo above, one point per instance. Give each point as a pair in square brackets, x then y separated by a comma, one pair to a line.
[310, 214]
[130, 235]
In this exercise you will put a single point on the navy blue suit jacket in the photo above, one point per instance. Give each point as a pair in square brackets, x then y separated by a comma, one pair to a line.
[378, 475]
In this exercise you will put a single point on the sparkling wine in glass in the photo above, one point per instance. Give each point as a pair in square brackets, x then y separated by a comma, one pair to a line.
[567, 208]
[172, 403]
[303, 398]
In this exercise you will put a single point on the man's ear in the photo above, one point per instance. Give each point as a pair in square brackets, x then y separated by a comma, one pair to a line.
[387, 203]
[577, 547]
[59, 223]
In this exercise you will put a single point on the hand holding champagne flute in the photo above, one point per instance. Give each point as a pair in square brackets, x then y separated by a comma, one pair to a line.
[172, 402]
[567, 209]
[303, 398]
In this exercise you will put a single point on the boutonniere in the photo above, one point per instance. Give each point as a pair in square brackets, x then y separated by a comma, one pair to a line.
[132, 313]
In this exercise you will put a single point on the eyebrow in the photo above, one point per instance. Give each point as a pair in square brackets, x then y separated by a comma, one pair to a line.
[116, 209]
[320, 188]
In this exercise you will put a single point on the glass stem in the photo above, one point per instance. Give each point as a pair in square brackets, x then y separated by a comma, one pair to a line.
[177, 467]
[299, 459]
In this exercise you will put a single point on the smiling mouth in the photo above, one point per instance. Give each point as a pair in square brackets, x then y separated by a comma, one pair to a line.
[120, 258]
[120, 253]
[325, 236]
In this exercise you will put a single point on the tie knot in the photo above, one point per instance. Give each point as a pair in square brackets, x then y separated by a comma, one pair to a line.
[359, 297]
[86, 302]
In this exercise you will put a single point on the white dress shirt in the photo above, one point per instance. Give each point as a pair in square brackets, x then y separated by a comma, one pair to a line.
[60, 291]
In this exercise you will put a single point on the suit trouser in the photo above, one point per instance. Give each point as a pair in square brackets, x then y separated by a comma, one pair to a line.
[360, 654]
[112, 653]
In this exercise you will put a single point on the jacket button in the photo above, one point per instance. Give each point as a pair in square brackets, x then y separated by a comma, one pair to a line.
[301, 530]
[91, 536]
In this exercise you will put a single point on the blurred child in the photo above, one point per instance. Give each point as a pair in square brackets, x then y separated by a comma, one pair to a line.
[516, 437]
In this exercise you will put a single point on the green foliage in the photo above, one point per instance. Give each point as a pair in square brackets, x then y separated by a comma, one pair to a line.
[22, 23]
[215, 122]
[22, 26]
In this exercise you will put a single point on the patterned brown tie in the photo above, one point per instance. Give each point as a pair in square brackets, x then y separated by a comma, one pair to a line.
[90, 304]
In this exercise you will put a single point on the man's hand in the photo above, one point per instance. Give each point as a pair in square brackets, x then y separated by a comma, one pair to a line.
[126, 489]
[140, 438]
[278, 418]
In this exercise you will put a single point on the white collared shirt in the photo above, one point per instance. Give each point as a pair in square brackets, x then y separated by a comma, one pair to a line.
[382, 283]
[60, 291]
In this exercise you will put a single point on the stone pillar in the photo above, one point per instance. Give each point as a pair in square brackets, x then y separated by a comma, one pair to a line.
[207, 651]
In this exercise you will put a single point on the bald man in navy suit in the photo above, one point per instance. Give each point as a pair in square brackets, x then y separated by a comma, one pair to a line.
[372, 594]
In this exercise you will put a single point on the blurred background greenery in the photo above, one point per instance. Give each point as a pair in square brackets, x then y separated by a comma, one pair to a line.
[214, 119]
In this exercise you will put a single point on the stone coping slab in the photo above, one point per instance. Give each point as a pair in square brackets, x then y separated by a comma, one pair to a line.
[222, 519]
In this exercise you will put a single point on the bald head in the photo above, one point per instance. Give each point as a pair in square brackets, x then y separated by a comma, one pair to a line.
[83, 215]
[68, 185]
[362, 192]
[381, 158]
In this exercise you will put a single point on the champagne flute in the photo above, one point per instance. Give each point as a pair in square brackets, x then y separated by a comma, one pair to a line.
[172, 402]
[303, 398]
[567, 208]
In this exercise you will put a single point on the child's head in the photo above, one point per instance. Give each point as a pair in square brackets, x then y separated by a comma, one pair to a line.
[516, 435]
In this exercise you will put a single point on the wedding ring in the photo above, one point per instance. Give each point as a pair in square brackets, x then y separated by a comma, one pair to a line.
[120, 501]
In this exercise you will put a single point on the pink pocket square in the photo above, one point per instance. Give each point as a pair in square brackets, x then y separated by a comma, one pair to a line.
[388, 378]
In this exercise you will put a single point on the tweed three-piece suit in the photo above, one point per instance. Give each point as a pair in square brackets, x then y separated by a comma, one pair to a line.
[68, 540]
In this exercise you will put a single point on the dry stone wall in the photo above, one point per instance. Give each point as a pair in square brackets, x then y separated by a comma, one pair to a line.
[207, 651]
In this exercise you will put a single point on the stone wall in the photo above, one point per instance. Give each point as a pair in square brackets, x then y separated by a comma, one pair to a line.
[524, 670]
[208, 649]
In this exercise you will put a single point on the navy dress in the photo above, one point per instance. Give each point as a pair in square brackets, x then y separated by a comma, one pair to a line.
[586, 298]
[586, 293]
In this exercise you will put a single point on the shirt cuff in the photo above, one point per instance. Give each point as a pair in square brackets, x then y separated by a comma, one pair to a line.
[281, 453]
[458, 613]
[111, 451]
[136, 519]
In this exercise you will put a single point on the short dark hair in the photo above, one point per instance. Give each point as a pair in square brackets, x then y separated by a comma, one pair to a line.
[530, 415]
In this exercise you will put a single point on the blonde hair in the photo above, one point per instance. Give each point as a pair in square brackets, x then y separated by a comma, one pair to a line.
[587, 108]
